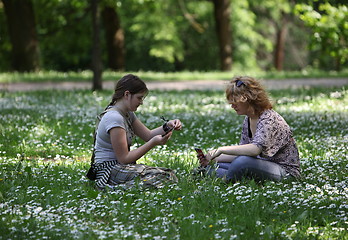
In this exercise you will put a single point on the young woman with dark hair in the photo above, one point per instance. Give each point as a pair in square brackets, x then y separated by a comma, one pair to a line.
[114, 163]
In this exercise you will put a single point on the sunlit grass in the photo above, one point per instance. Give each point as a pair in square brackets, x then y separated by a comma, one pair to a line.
[46, 144]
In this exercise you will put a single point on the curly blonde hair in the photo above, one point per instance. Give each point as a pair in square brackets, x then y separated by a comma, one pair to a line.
[248, 89]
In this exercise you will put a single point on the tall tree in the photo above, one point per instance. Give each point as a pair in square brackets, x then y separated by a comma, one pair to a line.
[114, 37]
[281, 34]
[23, 36]
[277, 15]
[222, 20]
[96, 49]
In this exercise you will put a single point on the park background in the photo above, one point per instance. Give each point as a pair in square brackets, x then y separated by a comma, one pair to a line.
[222, 36]
[46, 134]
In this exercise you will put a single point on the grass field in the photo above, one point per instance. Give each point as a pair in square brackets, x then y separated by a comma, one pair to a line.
[46, 141]
[87, 75]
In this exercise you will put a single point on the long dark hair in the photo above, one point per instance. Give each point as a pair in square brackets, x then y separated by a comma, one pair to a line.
[129, 82]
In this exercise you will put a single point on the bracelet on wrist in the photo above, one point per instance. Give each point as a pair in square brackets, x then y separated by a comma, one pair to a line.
[165, 127]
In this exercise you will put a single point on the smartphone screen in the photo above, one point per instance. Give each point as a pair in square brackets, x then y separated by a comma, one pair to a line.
[199, 151]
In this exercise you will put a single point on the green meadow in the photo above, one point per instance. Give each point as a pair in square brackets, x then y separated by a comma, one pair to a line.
[46, 143]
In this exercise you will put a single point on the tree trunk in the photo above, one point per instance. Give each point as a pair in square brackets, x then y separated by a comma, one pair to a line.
[338, 63]
[223, 30]
[23, 36]
[114, 39]
[280, 48]
[96, 51]
[282, 31]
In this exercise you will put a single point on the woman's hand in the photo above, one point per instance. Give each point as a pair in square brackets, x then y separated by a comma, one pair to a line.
[202, 160]
[212, 154]
[176, 124]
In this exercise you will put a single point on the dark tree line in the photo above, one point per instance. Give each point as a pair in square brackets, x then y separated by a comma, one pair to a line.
[169, 35]
[25, 43]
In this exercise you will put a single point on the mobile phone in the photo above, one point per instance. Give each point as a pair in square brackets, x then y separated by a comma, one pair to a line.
[171, 129]
[199, 151]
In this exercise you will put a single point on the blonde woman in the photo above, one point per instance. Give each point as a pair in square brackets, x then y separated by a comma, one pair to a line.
[267, 149]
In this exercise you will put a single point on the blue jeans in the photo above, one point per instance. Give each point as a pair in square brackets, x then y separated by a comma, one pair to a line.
[250, 167]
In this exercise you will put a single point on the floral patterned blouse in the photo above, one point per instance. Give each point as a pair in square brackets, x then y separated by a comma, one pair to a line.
[274, 136]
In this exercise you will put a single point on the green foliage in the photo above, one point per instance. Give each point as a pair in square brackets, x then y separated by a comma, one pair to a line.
[270, 17]
[246, 39]
[152, 27]
[198, 35]
[45, 155]
[163, 39]
[179, 35]
[329, 27]
[64, 34]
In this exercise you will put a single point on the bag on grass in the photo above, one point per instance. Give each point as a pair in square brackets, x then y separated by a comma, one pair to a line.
[147, 175]
[92, 174]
